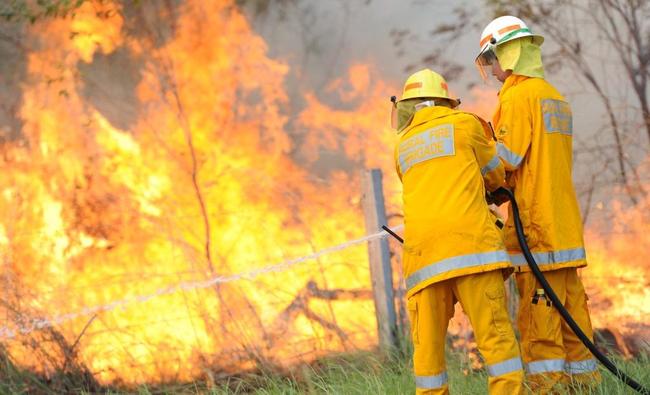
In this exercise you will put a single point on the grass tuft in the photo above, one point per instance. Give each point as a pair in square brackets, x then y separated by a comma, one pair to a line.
[353, 373]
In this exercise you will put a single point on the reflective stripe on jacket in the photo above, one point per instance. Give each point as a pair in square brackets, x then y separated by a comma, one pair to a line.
[533, 125]
[445, 162]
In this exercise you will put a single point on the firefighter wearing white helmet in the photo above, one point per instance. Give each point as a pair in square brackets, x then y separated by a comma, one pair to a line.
[453, 251]
[533, 125]
[498, 32]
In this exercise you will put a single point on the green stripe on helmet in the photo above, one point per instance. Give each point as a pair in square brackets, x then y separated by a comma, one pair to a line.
[512, 33]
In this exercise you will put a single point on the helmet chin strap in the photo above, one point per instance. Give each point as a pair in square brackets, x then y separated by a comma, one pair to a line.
[427, 103]
[433, 103]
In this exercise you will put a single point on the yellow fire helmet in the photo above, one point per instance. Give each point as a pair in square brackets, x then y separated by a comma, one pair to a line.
[425, 83]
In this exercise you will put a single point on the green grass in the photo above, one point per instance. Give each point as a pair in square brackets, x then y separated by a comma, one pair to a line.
[358, 373]
[366, 373]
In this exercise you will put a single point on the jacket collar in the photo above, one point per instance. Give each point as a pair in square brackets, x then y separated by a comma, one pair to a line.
[512, 80]
[427, 114]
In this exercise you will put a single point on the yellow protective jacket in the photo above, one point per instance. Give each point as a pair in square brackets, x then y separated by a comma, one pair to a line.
[445, 162]
[533, 125]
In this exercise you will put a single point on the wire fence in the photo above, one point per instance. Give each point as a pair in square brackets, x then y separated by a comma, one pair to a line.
[142, 328]
[189, 324]
[182, 327]
[41, 323]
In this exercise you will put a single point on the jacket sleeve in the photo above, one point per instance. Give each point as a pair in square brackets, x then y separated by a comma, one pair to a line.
[397, 169]
[513, 133]
[486, 155]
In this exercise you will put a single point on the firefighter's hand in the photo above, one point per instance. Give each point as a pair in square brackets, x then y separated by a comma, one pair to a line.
[496, 198]
[496, 218]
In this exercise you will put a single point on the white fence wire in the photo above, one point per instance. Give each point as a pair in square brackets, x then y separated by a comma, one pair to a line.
[42, 323]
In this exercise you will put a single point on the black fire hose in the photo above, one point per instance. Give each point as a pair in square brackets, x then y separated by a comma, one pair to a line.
[554, 299]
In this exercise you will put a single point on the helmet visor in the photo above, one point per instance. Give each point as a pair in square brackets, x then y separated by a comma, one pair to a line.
[484, 62]
[402, 113]
[393, 113]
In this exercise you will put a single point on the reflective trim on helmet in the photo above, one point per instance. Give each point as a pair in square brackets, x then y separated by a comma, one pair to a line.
[551, 257]
[485, 40]
[425, 83]
[545, 365]
[517, 29]
[577, 367]
[412, 85]
[505, 367]
[431, 382]
[511, 34]
[492, 164]
[455, 263]
[509, 28]
[513, 159]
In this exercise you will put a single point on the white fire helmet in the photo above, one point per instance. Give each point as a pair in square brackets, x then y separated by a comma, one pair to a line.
[501, 30]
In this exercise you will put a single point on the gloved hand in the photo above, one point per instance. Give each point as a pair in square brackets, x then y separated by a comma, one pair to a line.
[496, 197]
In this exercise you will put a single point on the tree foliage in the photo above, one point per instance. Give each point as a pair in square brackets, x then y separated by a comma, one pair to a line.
[441, 34]
[26, 10]
[587, 37]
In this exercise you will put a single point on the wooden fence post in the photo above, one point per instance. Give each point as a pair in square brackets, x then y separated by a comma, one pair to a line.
[379, 256]
[513, 299]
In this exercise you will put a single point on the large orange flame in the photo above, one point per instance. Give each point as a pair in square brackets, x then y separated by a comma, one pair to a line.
[214, 177]
[202, 185]
[617, 278]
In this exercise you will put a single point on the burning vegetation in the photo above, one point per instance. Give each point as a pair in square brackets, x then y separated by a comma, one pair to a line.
[212, 173]
[202, 184]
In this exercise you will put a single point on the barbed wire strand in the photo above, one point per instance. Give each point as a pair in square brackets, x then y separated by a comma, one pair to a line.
[42, 323]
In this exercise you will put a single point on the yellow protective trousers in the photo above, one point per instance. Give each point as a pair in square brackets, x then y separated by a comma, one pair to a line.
[482, 297]
[553, 354]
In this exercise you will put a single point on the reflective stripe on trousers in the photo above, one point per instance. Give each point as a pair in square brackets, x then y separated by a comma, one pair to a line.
[545, 366]
[559, 365]
[550, 257]
[431, 382]
[504, 367]
[577, 367]
[455, 263]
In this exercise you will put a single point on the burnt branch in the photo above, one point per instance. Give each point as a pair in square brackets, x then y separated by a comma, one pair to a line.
[300, 305]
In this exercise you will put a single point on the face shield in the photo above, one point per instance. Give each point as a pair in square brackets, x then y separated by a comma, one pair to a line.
[393, 112]
[402, 113]
[485, 60]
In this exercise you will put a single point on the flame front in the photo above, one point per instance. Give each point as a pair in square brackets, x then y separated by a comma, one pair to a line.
[202, 185]
[213, 177]
[618, 277]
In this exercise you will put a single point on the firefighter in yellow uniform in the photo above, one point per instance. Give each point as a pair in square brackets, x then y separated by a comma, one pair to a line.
[533, 125]
[453, 251]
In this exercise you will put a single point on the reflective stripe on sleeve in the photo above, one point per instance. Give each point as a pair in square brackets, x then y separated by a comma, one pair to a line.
[504, 367]
[545, 365]
[586, 366]
[455, 263]
[504, 153]
[431, 382]
[492, 164]
[550, 257]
